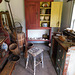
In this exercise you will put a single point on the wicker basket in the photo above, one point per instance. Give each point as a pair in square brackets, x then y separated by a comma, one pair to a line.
[14, 49]
[18, 27]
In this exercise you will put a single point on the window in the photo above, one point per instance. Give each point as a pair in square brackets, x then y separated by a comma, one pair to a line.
[73, 18]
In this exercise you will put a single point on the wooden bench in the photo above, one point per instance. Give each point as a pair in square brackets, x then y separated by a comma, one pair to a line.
[8, 68]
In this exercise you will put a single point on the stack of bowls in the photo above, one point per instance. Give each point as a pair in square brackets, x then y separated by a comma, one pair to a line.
[41, 18]
[47, 18]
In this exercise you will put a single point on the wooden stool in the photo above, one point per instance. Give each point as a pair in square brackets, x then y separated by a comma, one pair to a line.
[35, 52]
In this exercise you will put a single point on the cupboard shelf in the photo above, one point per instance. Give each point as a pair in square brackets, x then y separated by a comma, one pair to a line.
[44, 21]
[45, 14]
[45, 7]
[46, 28]
[38, 40]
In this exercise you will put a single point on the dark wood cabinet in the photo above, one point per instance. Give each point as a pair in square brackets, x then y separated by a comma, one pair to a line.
[60, 56]
[60, 59]
[32, 15]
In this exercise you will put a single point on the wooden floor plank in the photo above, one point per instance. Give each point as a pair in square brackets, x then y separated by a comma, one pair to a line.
[8, 68]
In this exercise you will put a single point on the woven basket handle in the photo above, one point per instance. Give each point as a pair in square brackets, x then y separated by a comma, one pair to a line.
[18, 23]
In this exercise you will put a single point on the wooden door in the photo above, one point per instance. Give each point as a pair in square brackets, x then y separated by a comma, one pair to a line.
[56, 14]
[32, 12]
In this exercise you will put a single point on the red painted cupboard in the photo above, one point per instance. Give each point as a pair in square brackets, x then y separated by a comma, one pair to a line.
[33, 14]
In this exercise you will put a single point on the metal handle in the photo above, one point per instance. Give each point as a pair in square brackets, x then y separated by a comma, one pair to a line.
[57, 68]
[59, 50]
[58, 59]
[18, 23]
[57, 24]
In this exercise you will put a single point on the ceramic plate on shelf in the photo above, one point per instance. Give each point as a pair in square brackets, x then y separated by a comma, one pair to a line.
[43, 11]
[46, 18]
[41, 18]
[45, 5]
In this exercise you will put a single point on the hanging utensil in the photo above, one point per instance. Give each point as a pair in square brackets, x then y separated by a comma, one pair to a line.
[10, 12]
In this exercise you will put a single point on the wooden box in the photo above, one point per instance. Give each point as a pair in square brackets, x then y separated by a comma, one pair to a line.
[2, 53]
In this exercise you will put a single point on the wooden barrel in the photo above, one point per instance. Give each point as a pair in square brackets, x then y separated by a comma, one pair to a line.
[14, 49]
[21, 39]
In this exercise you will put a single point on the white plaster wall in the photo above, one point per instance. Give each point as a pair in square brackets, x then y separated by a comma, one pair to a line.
[37, 33]
[17, 8]
[73, 18]
[66, 15]
[3, 6]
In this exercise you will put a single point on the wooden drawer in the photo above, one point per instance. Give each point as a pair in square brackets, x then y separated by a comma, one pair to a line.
[59, 62]
[59, 56]
[60, 59]
[60, 51]
[57, 69]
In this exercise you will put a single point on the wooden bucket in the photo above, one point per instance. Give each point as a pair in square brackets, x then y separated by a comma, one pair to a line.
[21, 39]
[14, 49]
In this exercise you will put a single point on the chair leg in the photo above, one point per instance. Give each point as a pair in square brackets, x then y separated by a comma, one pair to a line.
[34, 65]
[42, 60]
[27, 61]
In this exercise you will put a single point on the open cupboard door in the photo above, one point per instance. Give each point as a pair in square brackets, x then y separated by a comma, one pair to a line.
[56, 14]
